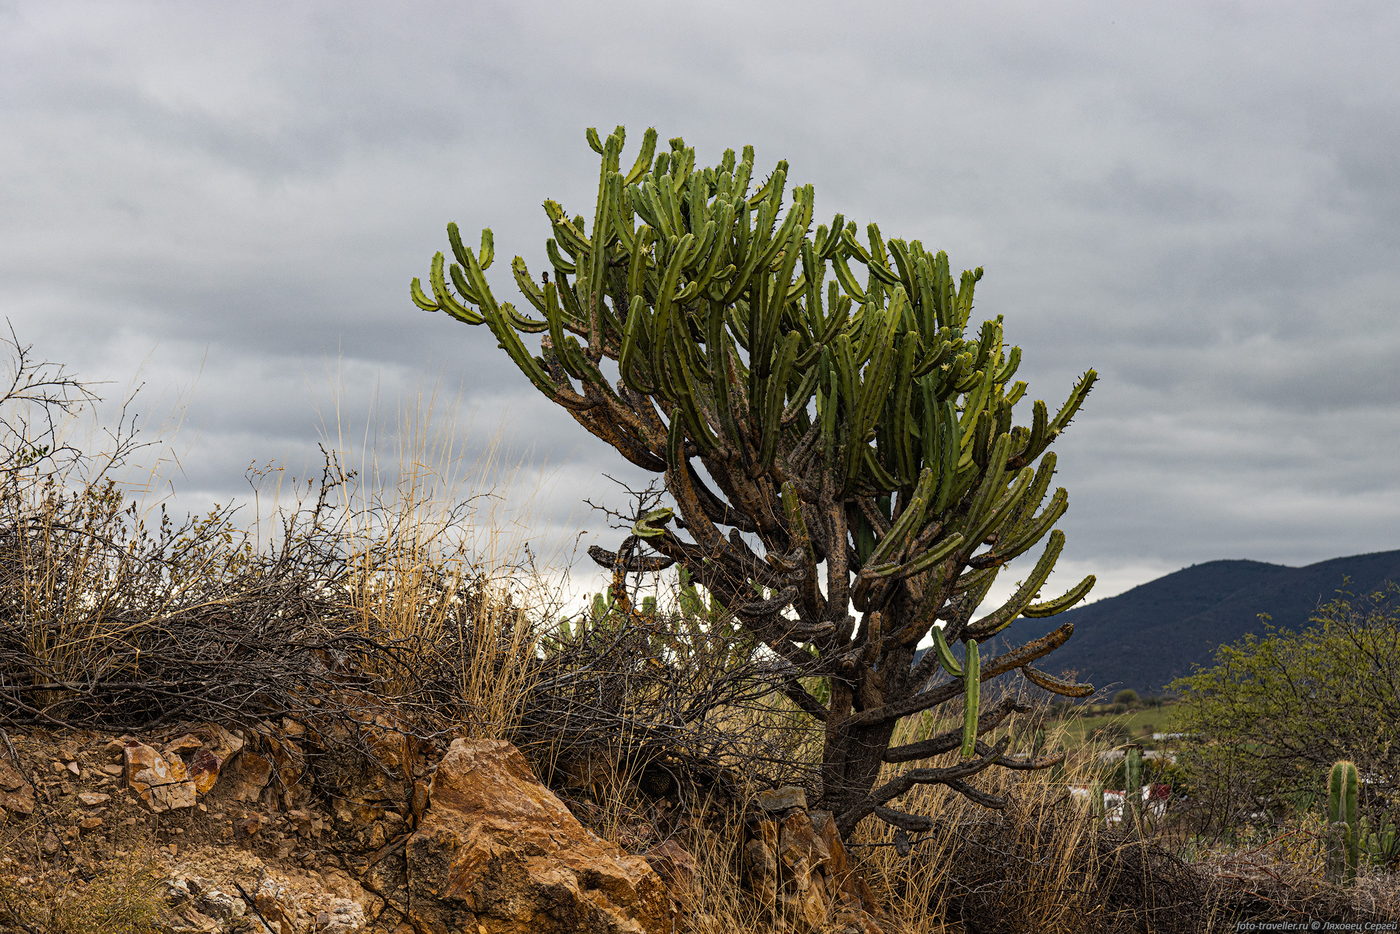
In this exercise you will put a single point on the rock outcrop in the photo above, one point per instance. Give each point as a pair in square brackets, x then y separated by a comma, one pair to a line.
[264, 829]
[797, 867]
[497, 853]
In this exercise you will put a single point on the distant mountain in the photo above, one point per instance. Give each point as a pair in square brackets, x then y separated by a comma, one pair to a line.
[1144, 638]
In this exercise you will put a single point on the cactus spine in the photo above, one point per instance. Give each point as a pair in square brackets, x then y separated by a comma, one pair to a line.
[863, 478]
[1343, 783]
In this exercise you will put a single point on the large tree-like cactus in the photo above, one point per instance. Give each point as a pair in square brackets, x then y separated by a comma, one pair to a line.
[836, 434]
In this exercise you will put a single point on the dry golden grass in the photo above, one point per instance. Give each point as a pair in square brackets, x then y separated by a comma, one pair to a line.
[126, 898]
[1045, 863]
[432, 571]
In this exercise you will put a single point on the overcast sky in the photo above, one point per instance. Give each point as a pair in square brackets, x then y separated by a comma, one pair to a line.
[1200, 200]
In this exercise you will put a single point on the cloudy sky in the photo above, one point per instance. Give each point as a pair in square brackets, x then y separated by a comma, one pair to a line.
[226, 202]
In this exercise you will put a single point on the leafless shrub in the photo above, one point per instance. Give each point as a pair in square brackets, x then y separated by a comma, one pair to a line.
[672, 700]
[112, 617]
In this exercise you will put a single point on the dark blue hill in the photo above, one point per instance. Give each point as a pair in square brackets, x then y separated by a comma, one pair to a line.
[1147, 636]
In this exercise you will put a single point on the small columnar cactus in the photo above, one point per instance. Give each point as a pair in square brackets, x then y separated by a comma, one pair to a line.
[1342, 814]
[1378, 843]
[1132, 781]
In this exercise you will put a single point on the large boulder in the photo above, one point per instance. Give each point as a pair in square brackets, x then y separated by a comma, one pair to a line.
[497, 853]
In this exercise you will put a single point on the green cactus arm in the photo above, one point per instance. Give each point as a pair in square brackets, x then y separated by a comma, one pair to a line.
[1016, 604]
[1011, 364]
[1035, 496]
[1342, 784]
[909, 521]
[526, 284]
[898, 430]
[1010, 500]
[992, 479]
[445, 300]
[972, 684]
[1070, 597]
[1077, 395]
[946, 658]
[1132, 780]
[485, 255]
[653, 523]
[940, 552]
[1022, 537]
[1054, 684]
[847, 279]
[415, 292]
[566, 233]
[775, 395]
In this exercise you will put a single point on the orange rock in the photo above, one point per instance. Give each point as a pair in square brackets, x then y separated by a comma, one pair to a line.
[10, 777]
[496, 851]
[204, 770]
[678, 868]
[248, 776]
[16, 793]
[19, 801]
[161, 783]
[798, 868]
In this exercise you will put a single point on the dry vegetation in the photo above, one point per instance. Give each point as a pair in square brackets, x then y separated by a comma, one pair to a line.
[359, 601]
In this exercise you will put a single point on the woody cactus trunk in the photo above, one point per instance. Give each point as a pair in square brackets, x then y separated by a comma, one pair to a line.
[836, 435]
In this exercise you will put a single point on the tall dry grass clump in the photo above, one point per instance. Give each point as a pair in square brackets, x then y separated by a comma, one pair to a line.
[432, 568]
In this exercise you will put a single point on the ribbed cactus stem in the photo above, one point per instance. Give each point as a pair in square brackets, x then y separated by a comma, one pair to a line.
[1132, 780]
[1343, 784]
[972, 695]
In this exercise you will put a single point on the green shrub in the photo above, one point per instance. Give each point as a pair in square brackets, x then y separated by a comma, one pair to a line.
[1275, 711]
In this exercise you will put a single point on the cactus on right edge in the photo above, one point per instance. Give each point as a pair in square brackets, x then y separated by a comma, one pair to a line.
[1342, 815]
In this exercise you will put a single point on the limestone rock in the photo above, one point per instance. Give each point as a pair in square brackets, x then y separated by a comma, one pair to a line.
[782, 799]
[497, 853]
[344, 916]
[164, 785]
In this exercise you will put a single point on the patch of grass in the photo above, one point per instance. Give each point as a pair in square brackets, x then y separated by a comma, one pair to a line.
[125, 899]
[1137, 724]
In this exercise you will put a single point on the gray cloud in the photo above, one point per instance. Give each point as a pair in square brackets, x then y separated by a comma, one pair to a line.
[1199, 201]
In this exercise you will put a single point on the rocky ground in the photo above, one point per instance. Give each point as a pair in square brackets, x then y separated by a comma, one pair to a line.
[263, 830]
[223, 834]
